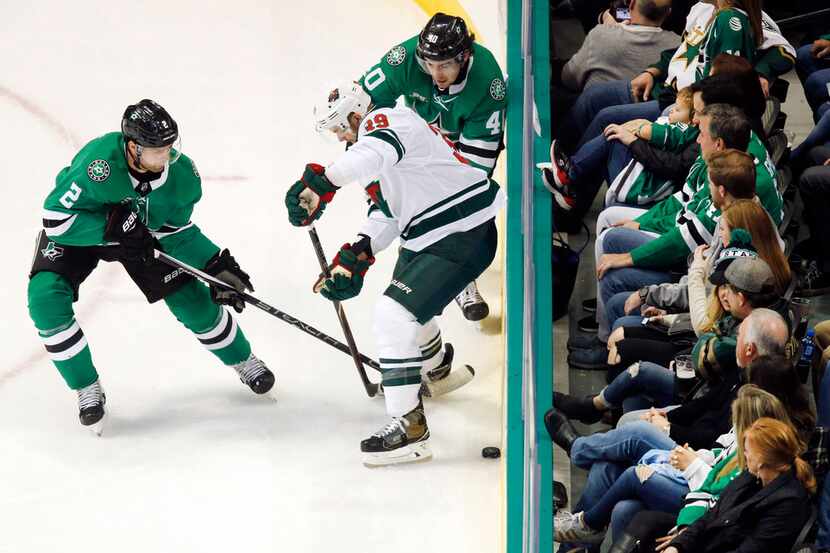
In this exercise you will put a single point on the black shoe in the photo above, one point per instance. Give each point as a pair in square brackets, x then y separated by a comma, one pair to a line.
[625, 544]
[584, 341]
[814, 282]
[595, 359]
[560, 429]
[588, 324]
[579, 408]
[560, 495]
[590, 305]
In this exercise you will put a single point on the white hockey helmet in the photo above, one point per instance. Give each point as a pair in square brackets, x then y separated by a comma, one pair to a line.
[333, 113]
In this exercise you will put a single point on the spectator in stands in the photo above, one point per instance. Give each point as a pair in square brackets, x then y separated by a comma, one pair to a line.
[765, 508]
[631, 253]
[733, 27]
[814, 185]
[688, 299]
[744, 283]
[813, 68]
[663, 478]
[642, 162]
[616, 51]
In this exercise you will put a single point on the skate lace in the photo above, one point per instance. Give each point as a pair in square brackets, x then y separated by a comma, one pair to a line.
[397, 425]
[90, 396]
[250, 369]
[469, 295]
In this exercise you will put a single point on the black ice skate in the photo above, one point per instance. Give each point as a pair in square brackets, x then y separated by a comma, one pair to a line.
[472, 304]
[442, 379]
[254, 374]
[91, 400]
[404, 440]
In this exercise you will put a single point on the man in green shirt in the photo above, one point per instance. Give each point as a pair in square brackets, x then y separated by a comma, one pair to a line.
[457, 86]
[125, 194]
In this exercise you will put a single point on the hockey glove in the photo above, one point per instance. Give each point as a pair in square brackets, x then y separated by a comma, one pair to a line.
[123, 226]
[224, 267]
[307, 198]
[347, 273]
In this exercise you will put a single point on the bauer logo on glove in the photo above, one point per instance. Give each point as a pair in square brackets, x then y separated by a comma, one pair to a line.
[347, 272]
[307, 198]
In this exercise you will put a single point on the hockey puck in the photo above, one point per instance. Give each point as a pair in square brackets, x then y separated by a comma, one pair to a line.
[491, 452]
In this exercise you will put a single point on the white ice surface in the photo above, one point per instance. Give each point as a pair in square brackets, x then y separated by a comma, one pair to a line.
[191, 460]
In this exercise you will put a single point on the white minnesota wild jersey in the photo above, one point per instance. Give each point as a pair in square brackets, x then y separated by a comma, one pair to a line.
[422, 189]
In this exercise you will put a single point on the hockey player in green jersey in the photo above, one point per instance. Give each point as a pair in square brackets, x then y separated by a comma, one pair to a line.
[443, 212]
[125, 194]
[455, 84]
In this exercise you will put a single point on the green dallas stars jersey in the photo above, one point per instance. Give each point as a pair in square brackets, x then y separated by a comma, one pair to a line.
[688, 218]
[75, 212]
[470, 113]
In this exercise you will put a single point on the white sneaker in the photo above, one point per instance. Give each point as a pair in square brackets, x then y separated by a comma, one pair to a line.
[571, 528]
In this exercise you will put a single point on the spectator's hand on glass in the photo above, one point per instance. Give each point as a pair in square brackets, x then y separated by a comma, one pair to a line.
[821, 48]
[764, 85]
[641, 87]
[619, 132]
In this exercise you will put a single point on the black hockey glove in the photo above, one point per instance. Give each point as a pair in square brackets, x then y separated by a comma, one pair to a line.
[124, 227]
[224, 267]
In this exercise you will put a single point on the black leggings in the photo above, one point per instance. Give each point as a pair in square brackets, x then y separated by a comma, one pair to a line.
[646, 344]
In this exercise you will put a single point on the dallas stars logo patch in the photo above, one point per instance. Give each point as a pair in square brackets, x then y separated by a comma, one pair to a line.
[497, 90]
[98, 170]
[396, 55]
[51, 251]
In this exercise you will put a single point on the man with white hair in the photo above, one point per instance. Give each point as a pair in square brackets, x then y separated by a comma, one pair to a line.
[763, 332]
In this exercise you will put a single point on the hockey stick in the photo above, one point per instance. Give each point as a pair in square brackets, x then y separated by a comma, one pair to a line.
[341, 314]
[284, 317]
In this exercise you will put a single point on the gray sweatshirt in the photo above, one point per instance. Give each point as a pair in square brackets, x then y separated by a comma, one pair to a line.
[616, 52]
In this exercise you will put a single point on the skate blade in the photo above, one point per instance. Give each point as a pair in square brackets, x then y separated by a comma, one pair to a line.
[98, 427]
[453, 381]
[413, 453]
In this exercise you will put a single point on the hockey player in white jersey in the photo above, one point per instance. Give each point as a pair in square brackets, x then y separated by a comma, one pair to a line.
[443, 211]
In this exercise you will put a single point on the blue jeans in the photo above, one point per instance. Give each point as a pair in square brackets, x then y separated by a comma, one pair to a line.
[657, 493]
[594, 99]
[615, 281]
[814, 75]
[595, 161]
[818, 136]
[823, 535]
[623, 445]
[641, 386]
[601, 476]
[615, 311]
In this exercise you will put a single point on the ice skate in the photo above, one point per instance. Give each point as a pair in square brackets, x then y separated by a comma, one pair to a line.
[91, 400]
[472, 304]
[254, 374]
[442, 379]
[404, 440]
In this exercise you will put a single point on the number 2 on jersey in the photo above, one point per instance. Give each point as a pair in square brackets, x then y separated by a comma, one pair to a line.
[71, 196]
[379, 121]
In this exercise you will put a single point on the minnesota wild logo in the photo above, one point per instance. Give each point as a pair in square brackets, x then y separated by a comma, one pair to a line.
[396, 55]
[98, 170]
[497, 90]
[51, 251]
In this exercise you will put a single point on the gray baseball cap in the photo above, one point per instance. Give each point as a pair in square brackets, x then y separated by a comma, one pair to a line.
[750, 274]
